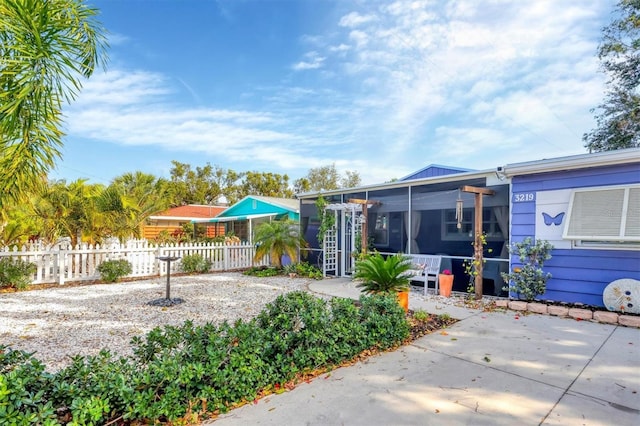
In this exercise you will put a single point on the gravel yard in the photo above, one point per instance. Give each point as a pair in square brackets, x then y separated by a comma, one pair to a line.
[59, 322]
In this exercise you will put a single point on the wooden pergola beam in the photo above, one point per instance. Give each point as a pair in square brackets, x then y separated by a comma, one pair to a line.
[364, 231]
[477, 190]
[478, 247]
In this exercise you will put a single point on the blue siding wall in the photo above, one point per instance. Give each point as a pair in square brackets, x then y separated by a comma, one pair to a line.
[578, 275]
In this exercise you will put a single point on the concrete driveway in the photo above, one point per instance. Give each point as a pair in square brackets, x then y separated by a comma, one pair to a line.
[490, 368]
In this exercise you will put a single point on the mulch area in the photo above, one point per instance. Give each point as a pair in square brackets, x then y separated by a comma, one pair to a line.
[421, 327]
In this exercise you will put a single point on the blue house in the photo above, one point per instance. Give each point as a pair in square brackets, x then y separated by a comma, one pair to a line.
[588, 207]
[241, 218]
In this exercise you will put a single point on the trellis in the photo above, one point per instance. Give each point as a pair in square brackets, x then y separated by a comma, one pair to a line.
[351, 225]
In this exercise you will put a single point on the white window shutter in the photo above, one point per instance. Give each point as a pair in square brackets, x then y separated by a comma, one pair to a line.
[632, 228]
[604, 214]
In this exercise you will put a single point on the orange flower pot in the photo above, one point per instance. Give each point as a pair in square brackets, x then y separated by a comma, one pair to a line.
[403, 300]
[445, 282]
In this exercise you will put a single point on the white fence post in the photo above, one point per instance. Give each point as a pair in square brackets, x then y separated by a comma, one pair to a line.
[157, 262]
[61, 262]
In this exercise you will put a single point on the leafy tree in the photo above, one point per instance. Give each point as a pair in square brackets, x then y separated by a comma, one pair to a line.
[301, 185]
[618, 121]
[204, 185]
[351, 179]
[46, 48]
[326, 178]
[276, 239]
[265, 184]
[323, 178]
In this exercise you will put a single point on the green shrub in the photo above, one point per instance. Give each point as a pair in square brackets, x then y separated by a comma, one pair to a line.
[263, 271]
[305, 269]
[16, 273]
[24, 389]
[112, 270]
[301, 269]
[529, 281]
[178, 370]
[195, 263]
[93, 389]
[297, 325]
[384, 320]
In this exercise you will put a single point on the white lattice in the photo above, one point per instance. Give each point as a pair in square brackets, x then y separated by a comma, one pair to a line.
[330, 247]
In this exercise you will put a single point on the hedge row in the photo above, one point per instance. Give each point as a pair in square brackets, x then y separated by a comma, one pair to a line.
[188, 372]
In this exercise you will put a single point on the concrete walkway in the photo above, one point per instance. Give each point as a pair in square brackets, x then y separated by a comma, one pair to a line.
[490, 368]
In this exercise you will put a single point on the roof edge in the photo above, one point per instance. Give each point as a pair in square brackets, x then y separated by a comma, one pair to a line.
[399, 184]
[607, 158]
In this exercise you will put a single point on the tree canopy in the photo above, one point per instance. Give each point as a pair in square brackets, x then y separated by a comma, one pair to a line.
[326, 178]
[92, 212]
[46, 49]
[618, 117]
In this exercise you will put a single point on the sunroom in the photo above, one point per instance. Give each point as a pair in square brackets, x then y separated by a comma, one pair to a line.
[433, 215]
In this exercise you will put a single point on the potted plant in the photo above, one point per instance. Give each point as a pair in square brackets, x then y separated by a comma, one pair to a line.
[445, 282]
[380, 275]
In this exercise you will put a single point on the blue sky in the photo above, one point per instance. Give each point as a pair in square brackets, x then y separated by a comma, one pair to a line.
[383, 88]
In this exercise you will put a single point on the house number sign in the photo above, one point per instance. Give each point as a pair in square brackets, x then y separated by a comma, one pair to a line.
[524, 197]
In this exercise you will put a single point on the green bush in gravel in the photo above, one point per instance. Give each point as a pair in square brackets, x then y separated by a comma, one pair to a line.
[195, 263]
[112, 270]
[16, 273]
[181, 373]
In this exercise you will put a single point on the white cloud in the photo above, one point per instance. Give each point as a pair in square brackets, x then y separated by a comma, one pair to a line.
[354, 19]
[136, 109]
[119, 87]
[520, 71]
[312, 61]
[339, 48]
[400, 85]
[360, 38]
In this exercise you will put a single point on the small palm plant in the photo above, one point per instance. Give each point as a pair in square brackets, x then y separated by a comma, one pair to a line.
[276, 239]
[383, 275]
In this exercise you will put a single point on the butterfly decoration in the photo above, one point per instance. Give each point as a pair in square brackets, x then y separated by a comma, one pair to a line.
[556, 220]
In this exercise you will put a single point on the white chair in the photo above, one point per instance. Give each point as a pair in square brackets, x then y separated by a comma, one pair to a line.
[426, 267]
[431, 272]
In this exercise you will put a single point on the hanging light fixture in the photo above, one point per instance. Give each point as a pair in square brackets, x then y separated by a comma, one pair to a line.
[459, 206]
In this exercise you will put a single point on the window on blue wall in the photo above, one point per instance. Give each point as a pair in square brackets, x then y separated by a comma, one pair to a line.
[604, 217]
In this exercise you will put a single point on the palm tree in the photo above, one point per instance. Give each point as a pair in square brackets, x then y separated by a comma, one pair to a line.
[69, 210]
[16, 225]
[140, 196]
[276, 239]
[46, 48]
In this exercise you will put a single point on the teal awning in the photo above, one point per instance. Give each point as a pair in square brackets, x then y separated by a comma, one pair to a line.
[233, 218]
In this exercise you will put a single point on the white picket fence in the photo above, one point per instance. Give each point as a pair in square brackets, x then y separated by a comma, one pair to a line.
[63, 263]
